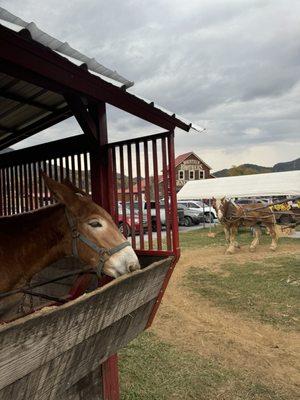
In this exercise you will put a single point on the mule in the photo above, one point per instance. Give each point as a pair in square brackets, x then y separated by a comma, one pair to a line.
[232, 216]
[74, 226]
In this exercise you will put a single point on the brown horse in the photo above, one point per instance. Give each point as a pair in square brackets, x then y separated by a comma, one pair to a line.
[232, 216]
[75, 226]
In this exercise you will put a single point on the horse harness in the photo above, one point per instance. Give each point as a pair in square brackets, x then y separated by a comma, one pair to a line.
[103, 252]
[229, 215]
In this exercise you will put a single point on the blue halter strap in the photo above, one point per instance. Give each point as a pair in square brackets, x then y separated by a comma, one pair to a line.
[104, 253]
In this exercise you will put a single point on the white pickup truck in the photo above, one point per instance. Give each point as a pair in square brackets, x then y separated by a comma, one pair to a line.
[209, 212]
[152, 211]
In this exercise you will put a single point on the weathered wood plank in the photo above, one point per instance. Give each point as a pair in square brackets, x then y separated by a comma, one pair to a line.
[87, 388]
[53, 379]
[30, 342]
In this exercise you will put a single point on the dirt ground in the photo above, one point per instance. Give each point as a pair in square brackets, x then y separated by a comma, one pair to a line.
[260, 350]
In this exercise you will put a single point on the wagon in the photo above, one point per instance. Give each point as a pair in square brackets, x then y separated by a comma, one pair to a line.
[63, 343]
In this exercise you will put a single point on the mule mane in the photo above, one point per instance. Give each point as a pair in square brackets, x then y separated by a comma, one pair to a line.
[30, 215]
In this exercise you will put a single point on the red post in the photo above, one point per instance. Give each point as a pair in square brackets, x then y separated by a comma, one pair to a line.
[101, 194]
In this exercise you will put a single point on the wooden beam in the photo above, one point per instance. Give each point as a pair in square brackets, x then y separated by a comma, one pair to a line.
[43, 123]
[26, 101]
[55, 149]
[82, 116]
[99, 159]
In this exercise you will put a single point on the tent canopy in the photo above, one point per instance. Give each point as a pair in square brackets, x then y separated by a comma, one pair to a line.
[271, 184]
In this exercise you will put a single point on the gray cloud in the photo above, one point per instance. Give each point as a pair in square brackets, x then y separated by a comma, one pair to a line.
[232, 66]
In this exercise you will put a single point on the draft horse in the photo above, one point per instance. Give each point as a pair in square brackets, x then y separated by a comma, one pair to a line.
[232, 216]
[75, 226]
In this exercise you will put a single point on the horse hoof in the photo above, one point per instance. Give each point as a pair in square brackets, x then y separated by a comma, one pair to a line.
[273, 248]
[252, 249]
[229, 251]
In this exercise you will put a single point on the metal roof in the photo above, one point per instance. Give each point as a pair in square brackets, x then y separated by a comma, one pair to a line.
[27, 108]
[61, 47]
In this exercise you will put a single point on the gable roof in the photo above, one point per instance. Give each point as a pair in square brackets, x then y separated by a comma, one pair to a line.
[182, 157]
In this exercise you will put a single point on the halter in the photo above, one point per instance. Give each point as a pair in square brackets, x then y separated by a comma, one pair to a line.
[103, 252]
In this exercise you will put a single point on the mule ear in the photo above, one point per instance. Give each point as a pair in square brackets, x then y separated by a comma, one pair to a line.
[59, 191]
[75, 189]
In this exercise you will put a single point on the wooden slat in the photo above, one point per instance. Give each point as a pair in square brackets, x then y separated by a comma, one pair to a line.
[52, 379]
[30, 342]
[89, 387]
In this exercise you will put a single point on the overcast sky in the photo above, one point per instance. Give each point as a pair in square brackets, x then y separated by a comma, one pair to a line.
[230, 66]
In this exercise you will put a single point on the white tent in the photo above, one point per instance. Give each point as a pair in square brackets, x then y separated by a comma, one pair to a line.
[272, 184]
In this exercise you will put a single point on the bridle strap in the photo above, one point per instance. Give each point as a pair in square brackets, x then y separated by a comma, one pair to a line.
[103, 252]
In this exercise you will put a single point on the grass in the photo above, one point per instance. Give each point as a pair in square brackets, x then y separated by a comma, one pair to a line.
[154, 370]
[198, 238]
[267, 290]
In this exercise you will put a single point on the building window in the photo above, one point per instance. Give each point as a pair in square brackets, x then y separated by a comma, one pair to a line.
[192, 174]
[181, 174]
[201, 175]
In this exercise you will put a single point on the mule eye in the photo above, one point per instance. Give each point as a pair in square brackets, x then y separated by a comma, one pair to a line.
[95, 224]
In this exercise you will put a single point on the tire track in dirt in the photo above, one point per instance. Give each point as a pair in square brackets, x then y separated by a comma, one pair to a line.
[194, 324]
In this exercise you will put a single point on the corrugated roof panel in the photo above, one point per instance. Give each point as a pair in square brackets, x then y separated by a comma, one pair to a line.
[63, 47]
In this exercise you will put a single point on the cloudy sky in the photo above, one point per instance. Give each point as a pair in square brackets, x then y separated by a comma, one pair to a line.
[231, 66]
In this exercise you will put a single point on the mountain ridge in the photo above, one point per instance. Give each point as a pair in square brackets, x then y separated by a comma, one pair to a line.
[251, 169]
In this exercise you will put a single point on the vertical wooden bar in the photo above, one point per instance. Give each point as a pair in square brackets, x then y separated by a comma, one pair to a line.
[30, 191]
[166, 191]
[130, 188]
[147, 196]
[175, 235]
[21, 187]
[13, 184]
[80, 185]
[50, 174]
[8, 194]
[123, 201]
[110, 379]
[86, 172]
[40, 185]
[156, 194]
[73, 169]
[35, 186]
[139, 189]
[17, 185]
[115, 200]
[4, 192]
[55, 168]
[1, 193]
[26, 188]
[45, 189]
[67, 167]
[61, 169]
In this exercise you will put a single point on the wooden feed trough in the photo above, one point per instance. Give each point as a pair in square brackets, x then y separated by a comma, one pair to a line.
[68, 351]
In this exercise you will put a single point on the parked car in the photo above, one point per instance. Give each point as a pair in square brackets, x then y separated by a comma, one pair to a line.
[197, 205]
[190, 216]
[126, 224]
[162, 213]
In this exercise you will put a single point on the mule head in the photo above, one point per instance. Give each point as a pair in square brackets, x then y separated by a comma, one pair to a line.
[95, 224]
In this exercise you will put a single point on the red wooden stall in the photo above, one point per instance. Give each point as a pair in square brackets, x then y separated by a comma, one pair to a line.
[40, 88]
